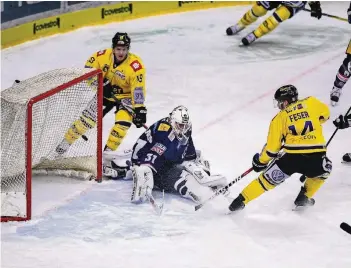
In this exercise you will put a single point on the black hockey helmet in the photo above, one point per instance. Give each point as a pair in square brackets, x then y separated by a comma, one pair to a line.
[121, 39]
[286, 93]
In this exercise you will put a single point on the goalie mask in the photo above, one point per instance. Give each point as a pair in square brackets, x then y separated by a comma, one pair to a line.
[180, 122]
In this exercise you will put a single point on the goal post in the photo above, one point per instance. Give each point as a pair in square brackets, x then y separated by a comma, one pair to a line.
[36, 114]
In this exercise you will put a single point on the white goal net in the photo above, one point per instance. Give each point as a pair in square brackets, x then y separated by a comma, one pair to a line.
[35, 116]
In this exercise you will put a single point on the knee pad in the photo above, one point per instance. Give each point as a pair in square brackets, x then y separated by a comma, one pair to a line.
[282, 13]
[327, 167]
[268, 5]
[259, 9]
[273, 175]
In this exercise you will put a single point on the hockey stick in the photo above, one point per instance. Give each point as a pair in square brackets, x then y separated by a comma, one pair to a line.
[327, 15]
[346, 227]
[223, 189]
[158, 208]
[303, 177]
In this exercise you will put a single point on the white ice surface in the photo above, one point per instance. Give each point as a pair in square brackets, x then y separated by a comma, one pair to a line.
[228, 90]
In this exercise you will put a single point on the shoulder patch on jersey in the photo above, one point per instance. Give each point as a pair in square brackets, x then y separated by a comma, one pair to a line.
[163, 127]
[136, 65]
[101, 52]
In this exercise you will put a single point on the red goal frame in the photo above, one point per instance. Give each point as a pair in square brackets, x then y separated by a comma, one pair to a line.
[28, 135]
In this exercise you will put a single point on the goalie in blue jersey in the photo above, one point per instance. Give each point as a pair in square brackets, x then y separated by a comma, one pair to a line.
[164, 157]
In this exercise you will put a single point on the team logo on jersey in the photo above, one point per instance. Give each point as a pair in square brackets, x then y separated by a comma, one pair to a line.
[163, 127]
[136, 65]
[101, 52]
[120, 74]
[159, 148]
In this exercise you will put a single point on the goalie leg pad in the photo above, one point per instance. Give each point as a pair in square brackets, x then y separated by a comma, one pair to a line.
[195, 184]
[143, 182]
[201, 176]
[188, 187]
[201, 161]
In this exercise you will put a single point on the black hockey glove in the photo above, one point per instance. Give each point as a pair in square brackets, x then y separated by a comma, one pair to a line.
[107, 93]
[349, 14]
[316, 10]
[139, 118]
[256, 164]
[342, 121]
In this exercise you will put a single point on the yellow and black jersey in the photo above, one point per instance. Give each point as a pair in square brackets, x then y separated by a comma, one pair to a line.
[297, 129]
[127, 78]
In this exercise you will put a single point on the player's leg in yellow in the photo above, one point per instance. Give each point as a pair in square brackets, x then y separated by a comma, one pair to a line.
[86, 121]
[281, 14]
[123, 121]
[256, 188]
[312, 185]
[249, 17]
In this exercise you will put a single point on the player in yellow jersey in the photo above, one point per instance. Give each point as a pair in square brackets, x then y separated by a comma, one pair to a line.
[124, 88]
[297, 130]
[283, 10]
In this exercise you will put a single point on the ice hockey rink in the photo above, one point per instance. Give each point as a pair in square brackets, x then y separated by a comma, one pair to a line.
[228, 90]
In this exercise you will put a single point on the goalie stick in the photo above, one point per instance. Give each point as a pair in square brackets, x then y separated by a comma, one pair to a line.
[223, 189]
[157, 207]
[346, 227]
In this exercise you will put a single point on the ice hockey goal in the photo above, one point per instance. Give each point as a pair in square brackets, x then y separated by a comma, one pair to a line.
[35, 115]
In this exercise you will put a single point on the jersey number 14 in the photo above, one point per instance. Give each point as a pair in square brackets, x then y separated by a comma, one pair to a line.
[307, 128]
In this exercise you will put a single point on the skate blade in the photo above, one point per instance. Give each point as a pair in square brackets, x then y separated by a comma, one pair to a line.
[346, 163]
[333, 103]
[301, 208]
